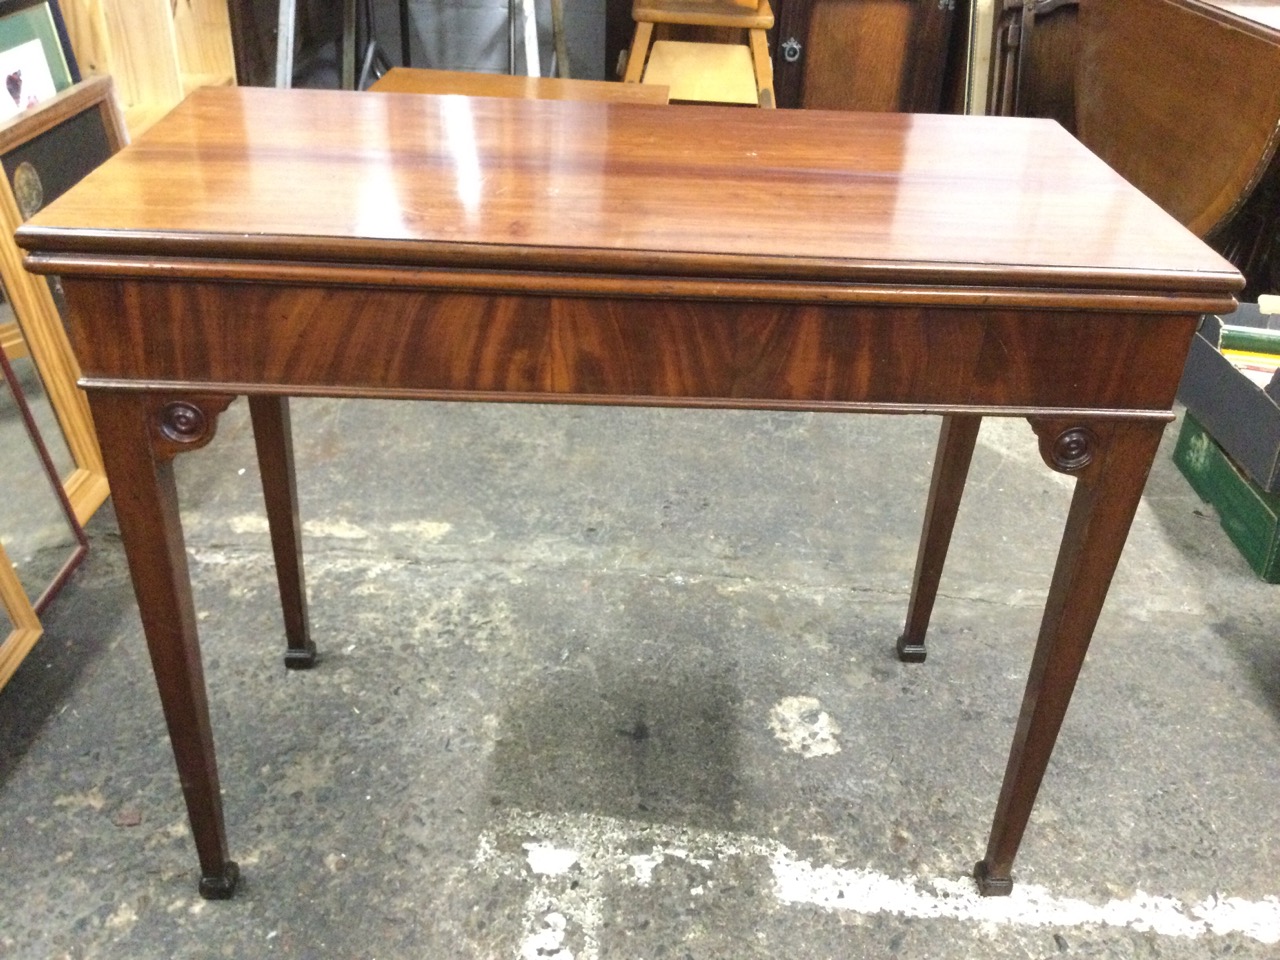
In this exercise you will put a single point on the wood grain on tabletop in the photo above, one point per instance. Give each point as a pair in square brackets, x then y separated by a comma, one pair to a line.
[780, 192]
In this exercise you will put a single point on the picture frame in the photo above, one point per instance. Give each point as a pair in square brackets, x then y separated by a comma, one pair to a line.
[42, 153]
[36, 58]
[20, 626]
[22, 608]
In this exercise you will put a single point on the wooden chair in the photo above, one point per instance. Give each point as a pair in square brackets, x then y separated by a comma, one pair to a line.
[716, 72]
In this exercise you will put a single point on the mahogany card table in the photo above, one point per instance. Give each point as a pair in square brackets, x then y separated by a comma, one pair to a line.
[277, 243]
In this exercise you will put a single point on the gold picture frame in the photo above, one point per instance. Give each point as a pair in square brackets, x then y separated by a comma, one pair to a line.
[22, 598]
[23, 621]
[55, 127]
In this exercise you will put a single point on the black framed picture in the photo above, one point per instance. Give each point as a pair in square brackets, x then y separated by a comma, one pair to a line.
[36, 59]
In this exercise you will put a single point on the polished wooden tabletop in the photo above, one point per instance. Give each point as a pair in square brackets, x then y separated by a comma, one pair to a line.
[617, 188]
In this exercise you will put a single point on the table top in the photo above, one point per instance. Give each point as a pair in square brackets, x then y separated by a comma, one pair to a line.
[276, 176]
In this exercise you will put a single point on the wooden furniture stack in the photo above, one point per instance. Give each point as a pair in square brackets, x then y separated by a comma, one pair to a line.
[157, 51]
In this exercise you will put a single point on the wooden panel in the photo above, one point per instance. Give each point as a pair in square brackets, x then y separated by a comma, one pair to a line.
[556, 185]
[156, 50]
[202, 33]
[857, 54]
[253, 25]
[738, 354]
[1202, 131]
[1034, 48]
[881, 55]
[11, 341]
[702, 72]
[1049, 68]
[86, 22]
[145, 54]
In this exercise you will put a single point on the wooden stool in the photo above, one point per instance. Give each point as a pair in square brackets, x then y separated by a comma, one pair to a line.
[699, 71]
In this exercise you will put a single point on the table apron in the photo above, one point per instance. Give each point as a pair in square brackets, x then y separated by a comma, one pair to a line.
[369, 341]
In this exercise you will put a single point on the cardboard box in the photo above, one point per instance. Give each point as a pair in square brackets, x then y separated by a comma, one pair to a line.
[1250, 515]
[1240, 415]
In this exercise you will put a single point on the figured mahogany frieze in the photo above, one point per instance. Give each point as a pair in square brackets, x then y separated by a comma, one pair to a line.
[415, 342]
[185, 423]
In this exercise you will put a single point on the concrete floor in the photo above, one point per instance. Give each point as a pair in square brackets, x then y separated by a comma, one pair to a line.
[620, 683]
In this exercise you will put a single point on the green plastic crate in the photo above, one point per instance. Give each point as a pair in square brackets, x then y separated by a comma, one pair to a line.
[1250, 516]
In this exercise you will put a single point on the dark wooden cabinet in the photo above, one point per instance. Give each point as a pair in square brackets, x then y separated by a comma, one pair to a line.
[878, 55]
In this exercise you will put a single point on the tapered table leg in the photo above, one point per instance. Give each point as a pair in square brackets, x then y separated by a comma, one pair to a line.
[273, 437]
[950, 469]
[1111, 462]
[139, 437]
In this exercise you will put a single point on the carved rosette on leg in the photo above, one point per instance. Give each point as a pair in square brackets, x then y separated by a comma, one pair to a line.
[1065, 446]
[186, 423]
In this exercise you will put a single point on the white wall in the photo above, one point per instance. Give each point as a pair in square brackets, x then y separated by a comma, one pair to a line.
[980, 54]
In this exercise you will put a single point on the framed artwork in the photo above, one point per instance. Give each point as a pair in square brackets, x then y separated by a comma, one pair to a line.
[42, 541]
[36, 60]
[43, 151]
[51, 474]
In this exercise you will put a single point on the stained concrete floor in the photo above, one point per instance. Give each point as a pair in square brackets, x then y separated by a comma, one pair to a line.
[620, 683]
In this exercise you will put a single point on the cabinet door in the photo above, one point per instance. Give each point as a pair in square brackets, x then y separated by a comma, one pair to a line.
[877, 55]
